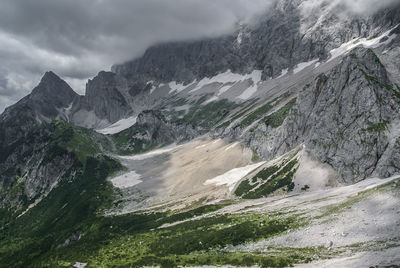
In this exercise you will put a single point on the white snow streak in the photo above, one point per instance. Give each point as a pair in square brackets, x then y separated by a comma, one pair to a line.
[175, 87]
[228, 77]
[283, 73]
[371, 43]
[256, 77]
[150, 154]
[118, 126]
[303, 65]
[213, 98]
[231, 177]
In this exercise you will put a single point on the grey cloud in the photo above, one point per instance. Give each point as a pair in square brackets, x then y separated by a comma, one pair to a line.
[76, 38]
[120, 28]
[3, 83]
[13, 87]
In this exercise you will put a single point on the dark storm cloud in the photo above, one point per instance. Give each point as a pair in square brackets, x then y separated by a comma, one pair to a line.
[78, 38]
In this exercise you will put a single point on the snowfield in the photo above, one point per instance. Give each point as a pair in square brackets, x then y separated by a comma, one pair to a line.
[228, 77]
[303, 65]
[367, 43]
[232, 177]
[118, 126]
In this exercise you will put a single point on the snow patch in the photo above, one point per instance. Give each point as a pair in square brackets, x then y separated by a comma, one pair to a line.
[213, 98]
[126, 180]
[118, 126]
[303, 65]
[256, 77]
[233, 176]
[228, 77]
[79, 265]
[150, 154]
[67, 111]
[367, 43]
[153, 87]
[175, 87]
[283, 73]
[248, 93]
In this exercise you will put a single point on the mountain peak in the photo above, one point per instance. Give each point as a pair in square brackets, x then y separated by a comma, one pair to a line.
[52, 85]
[52, 91]
[50, 74]
[51, 77]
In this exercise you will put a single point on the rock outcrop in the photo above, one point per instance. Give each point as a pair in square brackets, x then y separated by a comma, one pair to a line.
[344, 118]
[104, 101]
[152, 129]
[51, 99]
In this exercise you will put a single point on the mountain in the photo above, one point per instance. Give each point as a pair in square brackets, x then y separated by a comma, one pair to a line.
[51, 99]
[344, 118]
[275, 145]
[284, 37]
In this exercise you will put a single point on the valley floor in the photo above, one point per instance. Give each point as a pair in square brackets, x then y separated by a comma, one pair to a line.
[346, 226]
[176, 206]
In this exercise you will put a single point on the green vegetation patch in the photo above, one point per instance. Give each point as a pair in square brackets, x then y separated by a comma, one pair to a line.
[268, 180]
[69, 208]
[257, 114]
[261, 111]
[276, 119]
[208, 115]
[395, 89]
[175, 217]
[196, 242]
[378, 127]
[134, 240]
[133, 140]
[67, 138]
[248, 105]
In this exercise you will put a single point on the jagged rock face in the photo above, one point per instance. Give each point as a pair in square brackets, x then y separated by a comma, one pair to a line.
[104, 98]
[288, 34]
[49, 100]
[285, 36]
[51, 95]
[153, 127]
[343, 118]
[183, 61]
[46, 101]
[28, 169]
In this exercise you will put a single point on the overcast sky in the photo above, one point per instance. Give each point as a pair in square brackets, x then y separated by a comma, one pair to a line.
[78, 38]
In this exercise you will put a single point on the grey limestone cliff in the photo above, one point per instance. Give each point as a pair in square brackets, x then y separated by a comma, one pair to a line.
[344, 118]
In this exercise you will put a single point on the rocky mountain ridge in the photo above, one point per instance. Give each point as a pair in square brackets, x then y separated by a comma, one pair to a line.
[345, 118]
[281, 111]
